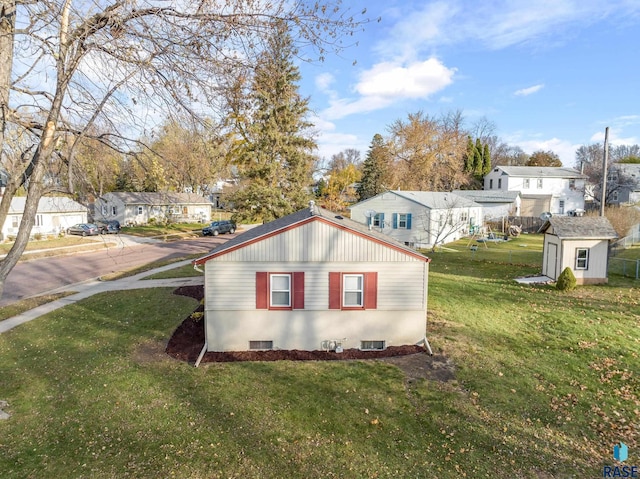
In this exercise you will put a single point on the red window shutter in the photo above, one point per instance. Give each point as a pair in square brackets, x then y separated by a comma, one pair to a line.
[335, 290]
[262, 290]
[371, 290]
[298, 290]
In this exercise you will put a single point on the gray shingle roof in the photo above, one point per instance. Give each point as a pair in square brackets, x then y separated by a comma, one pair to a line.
[299, 217]
[436, 199]
[580, 227]
[488, 196]
[48, 204]
[541, 172]
[159, 199]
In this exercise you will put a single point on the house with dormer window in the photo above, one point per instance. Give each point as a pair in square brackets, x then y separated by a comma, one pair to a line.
[556, 190]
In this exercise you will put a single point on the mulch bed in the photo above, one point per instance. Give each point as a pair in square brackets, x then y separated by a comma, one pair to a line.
[187, 341]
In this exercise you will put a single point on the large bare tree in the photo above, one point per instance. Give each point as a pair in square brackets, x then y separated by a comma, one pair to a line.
[110, 69]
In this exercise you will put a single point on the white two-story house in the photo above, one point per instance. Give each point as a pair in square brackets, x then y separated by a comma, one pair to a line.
[557, 190]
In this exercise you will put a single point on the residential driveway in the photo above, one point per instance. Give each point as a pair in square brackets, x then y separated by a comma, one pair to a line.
[124, 252]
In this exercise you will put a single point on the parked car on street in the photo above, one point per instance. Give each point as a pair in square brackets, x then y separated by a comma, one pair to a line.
[107, 227]
[83, 229]
[219, 227]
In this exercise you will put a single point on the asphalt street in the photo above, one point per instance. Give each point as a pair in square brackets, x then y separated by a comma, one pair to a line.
[124, 252]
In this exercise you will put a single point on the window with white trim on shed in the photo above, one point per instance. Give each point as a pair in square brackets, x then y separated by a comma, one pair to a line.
[582, 258]
[353, 290]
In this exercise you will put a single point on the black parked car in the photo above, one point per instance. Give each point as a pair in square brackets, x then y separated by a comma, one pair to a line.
[219, 227]
[107, 227]
[83, 229]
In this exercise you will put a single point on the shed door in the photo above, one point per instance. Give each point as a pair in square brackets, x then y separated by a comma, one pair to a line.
[551, 261]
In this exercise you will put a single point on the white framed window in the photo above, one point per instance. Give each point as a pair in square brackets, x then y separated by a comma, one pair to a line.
[539, 183]
[378, 220]
[582, 258]
[114, 210]
[614, 195]
[375, 345]
[561, 207]
[402, 220]
[39, 220]
[572, 184]
[280, 290]
[464, 216]
[491, 183]
[353, 290]
[140, 210]
[15, 221]
[499, 183]
[526, 183]
[104, 210]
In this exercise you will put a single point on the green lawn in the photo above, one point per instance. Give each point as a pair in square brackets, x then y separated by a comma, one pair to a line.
[546, 384]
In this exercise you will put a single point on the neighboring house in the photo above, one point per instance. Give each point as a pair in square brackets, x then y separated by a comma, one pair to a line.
[419, 219]
[555, 190]
[623, 183]
[54, 215]
[313, 280]
[140, 208]
[495, 204]
[580, 243]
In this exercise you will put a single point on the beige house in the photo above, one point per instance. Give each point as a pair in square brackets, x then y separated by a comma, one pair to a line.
[580, 243]
[313, 280]
[143, 207]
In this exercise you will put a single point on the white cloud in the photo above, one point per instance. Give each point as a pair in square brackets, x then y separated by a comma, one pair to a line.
[389, 82]
[615, 138]
[324, 81]
[565, 149]
[495, 24]
[529, 91]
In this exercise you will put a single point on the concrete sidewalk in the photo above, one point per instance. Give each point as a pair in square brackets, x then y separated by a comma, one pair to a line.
[95, 286]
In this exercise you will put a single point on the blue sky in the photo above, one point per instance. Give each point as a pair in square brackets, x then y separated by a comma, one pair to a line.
[549, 74]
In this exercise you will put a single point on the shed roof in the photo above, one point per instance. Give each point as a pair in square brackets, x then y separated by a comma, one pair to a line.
[299, 218]
[158, 198]
[579, 227]
[541, 172]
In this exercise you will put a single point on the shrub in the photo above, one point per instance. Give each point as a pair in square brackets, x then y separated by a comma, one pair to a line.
[197, 316]
[566, 280]
[37, 236]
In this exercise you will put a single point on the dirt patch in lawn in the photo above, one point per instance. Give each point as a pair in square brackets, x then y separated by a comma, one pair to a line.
[187, 340]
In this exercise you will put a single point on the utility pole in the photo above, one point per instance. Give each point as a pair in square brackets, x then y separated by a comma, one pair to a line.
[604, 170]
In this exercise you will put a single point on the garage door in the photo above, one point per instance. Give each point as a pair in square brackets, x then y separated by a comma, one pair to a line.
[535, 205]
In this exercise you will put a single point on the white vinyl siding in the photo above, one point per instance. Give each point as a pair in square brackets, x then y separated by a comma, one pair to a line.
[315, 241]
[401, 286]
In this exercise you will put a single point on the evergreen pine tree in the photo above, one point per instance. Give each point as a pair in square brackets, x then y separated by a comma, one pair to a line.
[274, 158]
[375, 169]
[469, 156]
[477, 158]
[486, 160]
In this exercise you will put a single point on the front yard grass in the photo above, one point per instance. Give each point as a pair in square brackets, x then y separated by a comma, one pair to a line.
[546, 384]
